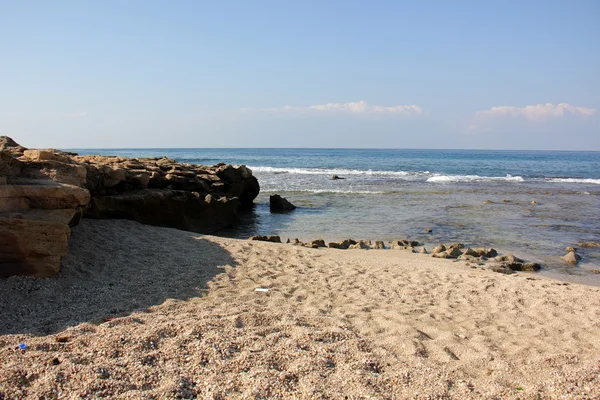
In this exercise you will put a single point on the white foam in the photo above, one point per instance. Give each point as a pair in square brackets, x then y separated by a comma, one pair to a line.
[334, 171]
[317, 191]
[575, 180]
[473, 178]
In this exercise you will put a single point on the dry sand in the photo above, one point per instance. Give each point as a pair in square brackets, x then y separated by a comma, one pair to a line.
[353, 324]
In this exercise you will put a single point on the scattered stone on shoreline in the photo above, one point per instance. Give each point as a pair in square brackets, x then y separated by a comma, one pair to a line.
[570, 248]
[271, 238]
[509, 258]
[341, 245]
[404, 244]
[571, 258]
[336, 177]
[506, 264]
[533, 202]
[315, 244]
[278, 204]
[379, 245]
[488, 202]
[360, 245]
[438, 249]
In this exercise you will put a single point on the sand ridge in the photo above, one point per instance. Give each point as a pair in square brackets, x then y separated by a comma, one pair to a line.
[146, 312]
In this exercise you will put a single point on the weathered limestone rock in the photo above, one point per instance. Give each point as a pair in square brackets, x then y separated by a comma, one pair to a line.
[438, 249]
[156, 191]
[379, 245]
[360, 245]
[280, 204]
[33, 242]
[342, 245]
[36, 211]
[571, 258]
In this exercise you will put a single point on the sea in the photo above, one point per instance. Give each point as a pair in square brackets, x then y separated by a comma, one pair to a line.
[530, 203]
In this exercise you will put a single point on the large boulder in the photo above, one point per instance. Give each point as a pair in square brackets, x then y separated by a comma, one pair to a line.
[37, 209]
[279, 204]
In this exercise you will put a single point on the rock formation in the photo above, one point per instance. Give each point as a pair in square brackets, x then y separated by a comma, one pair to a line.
[53, 188]
[39, 201]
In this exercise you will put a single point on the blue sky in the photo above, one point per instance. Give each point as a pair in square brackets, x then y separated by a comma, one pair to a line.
[389, 74]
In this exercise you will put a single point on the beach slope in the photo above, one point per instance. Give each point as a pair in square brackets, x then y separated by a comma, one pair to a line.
[147, 312]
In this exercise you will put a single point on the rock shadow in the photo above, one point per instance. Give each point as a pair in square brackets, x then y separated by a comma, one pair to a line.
[114, 267]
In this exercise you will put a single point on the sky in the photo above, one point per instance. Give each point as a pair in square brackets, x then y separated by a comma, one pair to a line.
[348, 74]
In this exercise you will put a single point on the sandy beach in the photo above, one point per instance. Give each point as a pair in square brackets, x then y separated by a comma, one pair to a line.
[141, 312]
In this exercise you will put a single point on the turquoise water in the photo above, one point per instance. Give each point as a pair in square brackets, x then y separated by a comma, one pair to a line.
[480, 198]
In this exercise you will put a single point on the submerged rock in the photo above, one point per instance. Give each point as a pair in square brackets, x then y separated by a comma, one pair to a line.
[588, 244]
[571, 258]
[336, 177]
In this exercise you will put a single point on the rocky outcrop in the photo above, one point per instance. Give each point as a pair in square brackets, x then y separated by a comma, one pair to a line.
[163, 192]
[40, 201]
[278, 204]
[53, 188]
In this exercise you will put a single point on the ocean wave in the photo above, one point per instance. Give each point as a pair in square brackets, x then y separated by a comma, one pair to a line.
[324, 191]
[574, 180]
[473, 178]
[333, 171]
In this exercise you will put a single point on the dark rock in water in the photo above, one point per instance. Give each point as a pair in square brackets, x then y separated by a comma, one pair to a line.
[273, 238]
[342, 245]
[335, 177]
[571, 258]
[280, 204]
[428, 230]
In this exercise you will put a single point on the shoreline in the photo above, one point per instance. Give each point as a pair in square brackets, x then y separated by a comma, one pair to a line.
[142, 311]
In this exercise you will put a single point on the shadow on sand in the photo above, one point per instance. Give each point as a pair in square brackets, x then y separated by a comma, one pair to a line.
[114, 267]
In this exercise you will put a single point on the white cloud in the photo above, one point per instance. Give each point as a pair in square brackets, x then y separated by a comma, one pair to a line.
[358, 107]
[537, 112]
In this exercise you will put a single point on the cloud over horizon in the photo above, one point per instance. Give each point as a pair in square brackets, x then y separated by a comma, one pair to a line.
[537, 112]
[358, 107]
